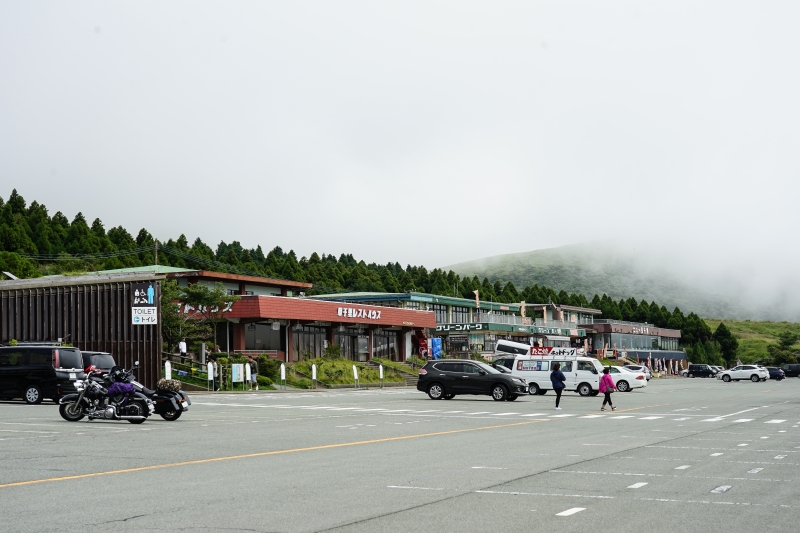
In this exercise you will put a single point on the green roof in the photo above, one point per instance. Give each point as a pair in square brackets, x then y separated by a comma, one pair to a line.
[155, 269]
[415, 297]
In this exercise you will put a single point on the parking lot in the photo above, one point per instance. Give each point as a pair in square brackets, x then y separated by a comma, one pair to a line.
[680, 455]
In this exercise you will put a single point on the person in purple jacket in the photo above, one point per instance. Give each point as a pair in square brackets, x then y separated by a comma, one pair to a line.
[606, 388]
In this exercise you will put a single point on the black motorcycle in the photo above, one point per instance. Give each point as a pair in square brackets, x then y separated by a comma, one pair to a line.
[118, 402]
[170, 402]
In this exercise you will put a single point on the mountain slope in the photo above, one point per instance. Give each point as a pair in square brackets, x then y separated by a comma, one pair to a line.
[592, 268]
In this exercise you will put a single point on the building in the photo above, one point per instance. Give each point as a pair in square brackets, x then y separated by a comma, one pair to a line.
[273, 318]
[96, 312]
[637, 340]
[466, 325]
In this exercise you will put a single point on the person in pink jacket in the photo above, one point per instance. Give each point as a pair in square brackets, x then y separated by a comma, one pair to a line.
[606, 388]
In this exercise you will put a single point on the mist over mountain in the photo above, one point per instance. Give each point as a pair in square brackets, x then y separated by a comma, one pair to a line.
[644, 272]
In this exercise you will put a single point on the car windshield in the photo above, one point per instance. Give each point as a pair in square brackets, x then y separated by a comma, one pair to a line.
[69, 358]
[103, 361]
[487, 368]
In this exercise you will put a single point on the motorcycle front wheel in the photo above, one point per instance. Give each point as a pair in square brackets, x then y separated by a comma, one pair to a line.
[142, 408]
[71, 412]
[171, 415]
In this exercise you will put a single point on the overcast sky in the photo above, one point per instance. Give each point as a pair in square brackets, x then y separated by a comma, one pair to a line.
[425, 133]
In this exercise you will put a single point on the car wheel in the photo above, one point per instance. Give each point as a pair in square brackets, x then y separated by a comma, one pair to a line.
[726, 379]
[533, 388]
[435, 391]
[754, 378]
[512, 397]
[449, 396]
[691, 375]
[623, 386]
[584, 389]
[499, 393]
[32, 394]
[171, 415]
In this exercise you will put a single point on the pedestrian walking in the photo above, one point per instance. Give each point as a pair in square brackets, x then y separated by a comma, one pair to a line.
[182, 347]
[606, 388]
[557, 378]
[216, 375]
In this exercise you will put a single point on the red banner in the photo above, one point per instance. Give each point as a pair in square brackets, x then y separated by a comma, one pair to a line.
[541, 350]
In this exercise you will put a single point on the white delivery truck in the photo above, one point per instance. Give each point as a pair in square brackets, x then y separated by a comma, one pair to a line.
[582, 373]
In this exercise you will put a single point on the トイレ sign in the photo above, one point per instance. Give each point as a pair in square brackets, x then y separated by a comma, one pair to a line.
[144, 303]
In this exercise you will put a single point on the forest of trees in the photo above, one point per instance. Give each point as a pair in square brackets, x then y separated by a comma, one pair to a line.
[34, 243]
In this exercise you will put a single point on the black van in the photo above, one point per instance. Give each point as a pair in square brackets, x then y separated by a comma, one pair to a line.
[791, 371]
[701, 371]
[37, 372]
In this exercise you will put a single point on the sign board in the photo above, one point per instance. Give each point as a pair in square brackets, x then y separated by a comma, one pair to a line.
[563, 352]
[436, 348]
[144, 304]
[358, 312]
[541, 350]
[210, 368]
[237, 373]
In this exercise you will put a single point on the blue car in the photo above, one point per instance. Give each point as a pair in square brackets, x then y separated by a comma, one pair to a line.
[776, 373]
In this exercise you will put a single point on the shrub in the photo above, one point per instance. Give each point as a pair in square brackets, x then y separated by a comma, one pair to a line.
[264, 381]
[269, 367]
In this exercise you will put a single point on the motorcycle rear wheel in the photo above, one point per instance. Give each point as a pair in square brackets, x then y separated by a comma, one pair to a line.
[71, 412]
[171, 415]
[142, 412]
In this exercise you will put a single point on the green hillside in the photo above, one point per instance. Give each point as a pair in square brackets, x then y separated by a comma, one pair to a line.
[589, 269]
[755, 337]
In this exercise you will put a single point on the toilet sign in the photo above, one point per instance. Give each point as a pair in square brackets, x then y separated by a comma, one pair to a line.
[144, 303]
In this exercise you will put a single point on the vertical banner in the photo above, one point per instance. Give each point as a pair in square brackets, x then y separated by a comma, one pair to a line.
[436, 347]
[168, 370]
[283, 372]
[355, 373]
[314, 372]
[210, 369]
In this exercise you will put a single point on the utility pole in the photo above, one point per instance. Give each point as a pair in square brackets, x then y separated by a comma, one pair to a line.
[156, 252]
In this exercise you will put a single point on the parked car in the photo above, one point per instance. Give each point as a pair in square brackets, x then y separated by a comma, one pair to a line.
[775, 373]
[717, 368]
[582, 373]
[701, 371]
[35, 372]
[445, 379]
[754, 373]
[100, 360]
[626, 380]
[791, 371]
[640, 368]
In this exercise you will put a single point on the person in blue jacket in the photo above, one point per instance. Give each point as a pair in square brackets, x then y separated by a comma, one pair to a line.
[557, 378]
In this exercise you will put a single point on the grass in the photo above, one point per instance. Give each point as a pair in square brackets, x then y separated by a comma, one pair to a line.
[340, 372]
[400, 367]
[754, 337]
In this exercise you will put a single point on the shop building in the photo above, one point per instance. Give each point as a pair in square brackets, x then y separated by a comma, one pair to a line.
[634, 339]
[273, 317]
[466, 325]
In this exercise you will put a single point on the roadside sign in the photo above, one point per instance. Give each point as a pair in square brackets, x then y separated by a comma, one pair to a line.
[237, 373]
[144, 304]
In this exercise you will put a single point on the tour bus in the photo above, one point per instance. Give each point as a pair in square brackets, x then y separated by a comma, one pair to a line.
[534, 364]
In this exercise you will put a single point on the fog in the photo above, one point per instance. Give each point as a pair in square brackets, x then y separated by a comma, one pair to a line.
[419, 132]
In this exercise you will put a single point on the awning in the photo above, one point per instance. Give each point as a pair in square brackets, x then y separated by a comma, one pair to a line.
[655, 354]
[556, 338]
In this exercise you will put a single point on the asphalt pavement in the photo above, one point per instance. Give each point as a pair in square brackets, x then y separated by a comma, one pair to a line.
[680, 455]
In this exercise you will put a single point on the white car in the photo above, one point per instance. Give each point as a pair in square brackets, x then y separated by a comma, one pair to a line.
[640, 368]
[626, 380]
[754, 373]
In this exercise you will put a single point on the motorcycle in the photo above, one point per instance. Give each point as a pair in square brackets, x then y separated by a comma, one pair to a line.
[169, 401]
[118, 402]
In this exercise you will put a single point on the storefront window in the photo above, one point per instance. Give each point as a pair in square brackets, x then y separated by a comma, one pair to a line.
[460, 315]
[307, 342]
[412, 305]
[385, 345]
[262, 337]
[441, 313]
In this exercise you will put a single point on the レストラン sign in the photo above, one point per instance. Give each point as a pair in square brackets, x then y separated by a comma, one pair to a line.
[358, 312]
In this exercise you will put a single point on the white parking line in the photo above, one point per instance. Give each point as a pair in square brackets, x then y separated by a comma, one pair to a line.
[683, 467]
[570, 512]
[637, 485]
[721, 489]
[560, 416]
[716, 454]
[621, 417]
[742, 420]
[775, 421]
[592, 416]
[651, 417]
[535, 414]
[754, 470]
[505, 414]
[743, 444]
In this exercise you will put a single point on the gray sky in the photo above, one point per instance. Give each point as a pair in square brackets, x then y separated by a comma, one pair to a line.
[425, 133]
